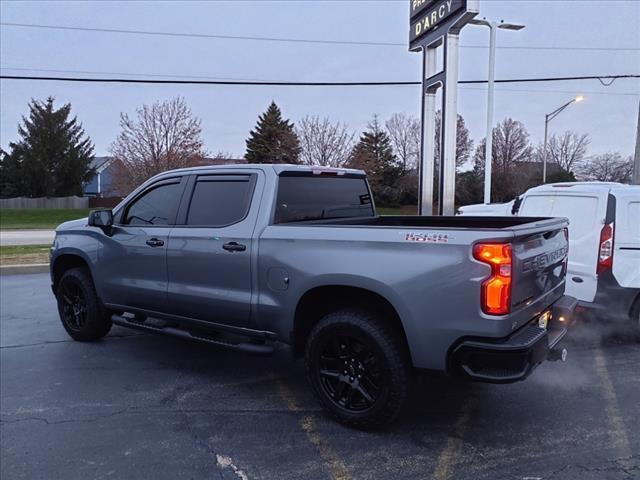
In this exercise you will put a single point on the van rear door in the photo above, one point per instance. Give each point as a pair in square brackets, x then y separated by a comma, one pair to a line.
[586, 213]
[626, 243]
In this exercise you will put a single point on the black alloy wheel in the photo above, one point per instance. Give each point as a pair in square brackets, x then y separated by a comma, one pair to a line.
[74, 305]
[350, 372]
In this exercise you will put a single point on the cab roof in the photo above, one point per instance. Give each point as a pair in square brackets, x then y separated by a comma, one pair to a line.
[277, 167]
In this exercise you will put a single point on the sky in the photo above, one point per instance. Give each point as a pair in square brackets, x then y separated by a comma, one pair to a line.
[564, 34]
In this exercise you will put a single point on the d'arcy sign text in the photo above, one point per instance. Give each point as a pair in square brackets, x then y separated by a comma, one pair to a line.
[427, 15]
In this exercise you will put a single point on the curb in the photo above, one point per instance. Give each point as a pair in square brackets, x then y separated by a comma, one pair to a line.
[24, 269]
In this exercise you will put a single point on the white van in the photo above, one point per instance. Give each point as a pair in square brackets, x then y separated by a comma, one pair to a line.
[488, 210]
[604, 240]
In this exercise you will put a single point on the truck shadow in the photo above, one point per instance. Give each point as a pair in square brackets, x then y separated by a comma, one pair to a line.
[437, 404]
[203, 369]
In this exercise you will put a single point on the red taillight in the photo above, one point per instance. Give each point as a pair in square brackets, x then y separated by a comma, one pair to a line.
[605, 253]
[496, 290]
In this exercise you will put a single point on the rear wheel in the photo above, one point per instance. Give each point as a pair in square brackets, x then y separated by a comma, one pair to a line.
[358, 368]
[82, 315]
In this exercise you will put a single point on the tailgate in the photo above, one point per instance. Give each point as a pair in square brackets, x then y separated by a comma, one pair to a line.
[539, 265]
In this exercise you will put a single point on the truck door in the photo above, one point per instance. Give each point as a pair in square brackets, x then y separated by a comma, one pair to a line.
[210, 252]
[132, 262]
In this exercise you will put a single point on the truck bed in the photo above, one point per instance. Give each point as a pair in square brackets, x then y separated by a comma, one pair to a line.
[457, 222]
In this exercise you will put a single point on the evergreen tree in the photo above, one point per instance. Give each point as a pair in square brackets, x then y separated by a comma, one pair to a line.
[470, 186]
[274, 139]
[10, 179]
[53, 156]
[374, 154]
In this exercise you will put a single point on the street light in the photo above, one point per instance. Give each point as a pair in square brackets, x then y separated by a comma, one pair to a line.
[547, 118]
[492, 66]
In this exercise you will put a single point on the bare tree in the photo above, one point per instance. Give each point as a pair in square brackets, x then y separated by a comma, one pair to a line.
[222, 157]
[405, 135]
[510, 147]
[324, 143]
[511, 144]
[404, 132]
[162, 137]
[464, 144]
[608, 167]
[567, 150]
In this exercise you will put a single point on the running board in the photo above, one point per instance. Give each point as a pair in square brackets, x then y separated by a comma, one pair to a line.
[252, 348]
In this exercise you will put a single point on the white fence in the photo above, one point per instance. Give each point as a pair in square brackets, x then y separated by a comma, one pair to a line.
[45, 202]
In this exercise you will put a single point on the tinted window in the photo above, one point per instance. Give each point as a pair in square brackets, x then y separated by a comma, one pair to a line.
[313, 198]
[219, 202]
[155, 207]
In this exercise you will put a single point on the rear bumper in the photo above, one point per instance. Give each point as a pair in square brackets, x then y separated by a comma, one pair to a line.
[512, 358]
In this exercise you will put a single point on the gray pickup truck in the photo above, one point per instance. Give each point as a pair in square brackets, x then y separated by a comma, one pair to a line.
[244, 256]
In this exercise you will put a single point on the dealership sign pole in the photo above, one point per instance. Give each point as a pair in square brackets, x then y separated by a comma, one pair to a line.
[433, 24]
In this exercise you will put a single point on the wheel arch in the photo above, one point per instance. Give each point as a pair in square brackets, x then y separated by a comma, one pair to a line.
[65, 261]
[318, 301]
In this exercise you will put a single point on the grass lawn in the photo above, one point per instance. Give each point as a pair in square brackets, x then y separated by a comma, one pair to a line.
[49, 218]
[23, 254]
[403, 210]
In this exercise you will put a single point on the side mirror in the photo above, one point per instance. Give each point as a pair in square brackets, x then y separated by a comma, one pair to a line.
[102, 219]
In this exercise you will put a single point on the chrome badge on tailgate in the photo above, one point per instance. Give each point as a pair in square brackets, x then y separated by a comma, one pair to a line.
[542, 261]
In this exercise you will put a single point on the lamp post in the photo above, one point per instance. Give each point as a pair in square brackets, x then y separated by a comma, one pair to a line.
[547, 118]
[492, 66]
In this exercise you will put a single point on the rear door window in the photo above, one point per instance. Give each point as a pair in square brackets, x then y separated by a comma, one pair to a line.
[220, 200]
[316, 197]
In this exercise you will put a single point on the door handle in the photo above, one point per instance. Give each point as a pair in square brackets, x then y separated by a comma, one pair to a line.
[155, 242]
[234, 247]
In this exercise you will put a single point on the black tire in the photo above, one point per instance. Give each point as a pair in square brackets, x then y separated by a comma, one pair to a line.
[82, 315]
[370, 389]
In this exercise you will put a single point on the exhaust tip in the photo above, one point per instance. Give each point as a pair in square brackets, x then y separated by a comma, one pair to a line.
[559, 354]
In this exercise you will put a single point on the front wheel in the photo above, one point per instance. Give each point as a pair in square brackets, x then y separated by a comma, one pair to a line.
[358, 368]
[82, 315]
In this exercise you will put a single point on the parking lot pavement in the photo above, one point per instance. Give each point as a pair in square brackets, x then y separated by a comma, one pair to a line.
[26, 237]
[145, 406]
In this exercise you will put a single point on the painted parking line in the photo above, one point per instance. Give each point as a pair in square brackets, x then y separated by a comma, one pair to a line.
[225, 463]
[336, 466]
[619, 436]
[447, 458]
